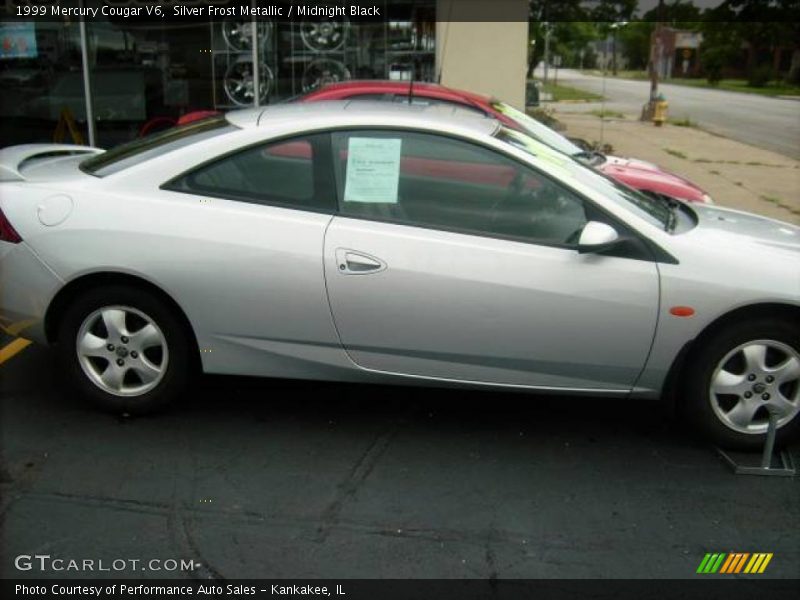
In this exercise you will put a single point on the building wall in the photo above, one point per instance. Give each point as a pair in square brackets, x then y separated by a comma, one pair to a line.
[484, 57]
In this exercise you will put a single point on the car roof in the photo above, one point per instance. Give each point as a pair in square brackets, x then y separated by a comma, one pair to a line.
[364, 113]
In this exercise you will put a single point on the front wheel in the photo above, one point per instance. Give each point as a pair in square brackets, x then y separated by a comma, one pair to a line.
[740, 376]
[124, 350]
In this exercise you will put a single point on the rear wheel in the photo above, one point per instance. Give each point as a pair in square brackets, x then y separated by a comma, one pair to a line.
[124, 349]
[740, 376]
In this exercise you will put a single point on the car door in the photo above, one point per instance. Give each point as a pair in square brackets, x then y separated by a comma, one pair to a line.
[449, 260]
[254, 221]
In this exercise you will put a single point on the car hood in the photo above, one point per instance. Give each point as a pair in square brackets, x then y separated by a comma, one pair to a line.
[631, 163]
[737, 227]
[646, 176]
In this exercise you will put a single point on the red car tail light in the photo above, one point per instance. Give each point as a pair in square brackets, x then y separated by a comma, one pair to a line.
[7, 232]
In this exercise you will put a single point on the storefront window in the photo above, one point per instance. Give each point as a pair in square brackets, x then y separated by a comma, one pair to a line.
[146, 75]
[42, 96]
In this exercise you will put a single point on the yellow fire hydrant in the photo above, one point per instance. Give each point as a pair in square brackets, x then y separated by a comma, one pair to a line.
[660, 111]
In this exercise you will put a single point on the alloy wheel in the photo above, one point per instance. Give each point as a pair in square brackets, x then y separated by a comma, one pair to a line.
[752, 380]
[122, 350]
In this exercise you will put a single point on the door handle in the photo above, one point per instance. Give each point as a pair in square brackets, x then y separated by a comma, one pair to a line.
[350, 262]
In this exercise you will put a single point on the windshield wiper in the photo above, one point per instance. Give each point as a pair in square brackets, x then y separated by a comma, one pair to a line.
[673, 206]
[591, 156]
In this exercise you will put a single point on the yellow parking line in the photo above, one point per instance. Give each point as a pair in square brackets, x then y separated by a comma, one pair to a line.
[9, 350]
[15, 328]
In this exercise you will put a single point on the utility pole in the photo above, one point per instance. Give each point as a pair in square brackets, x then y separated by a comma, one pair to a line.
[546, 49]
[655, 63]
[614, 50]
[614, 28]
[87, 82]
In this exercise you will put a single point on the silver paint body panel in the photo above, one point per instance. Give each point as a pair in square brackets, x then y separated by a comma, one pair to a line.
[262, 289]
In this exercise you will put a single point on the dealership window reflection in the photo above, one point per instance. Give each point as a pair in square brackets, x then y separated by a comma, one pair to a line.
[146, 75]
[40, 74]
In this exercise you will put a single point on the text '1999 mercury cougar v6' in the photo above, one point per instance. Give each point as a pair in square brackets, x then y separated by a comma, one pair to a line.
[369, 242]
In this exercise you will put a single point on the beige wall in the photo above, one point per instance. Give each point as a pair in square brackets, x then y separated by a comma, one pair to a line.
[484, 57]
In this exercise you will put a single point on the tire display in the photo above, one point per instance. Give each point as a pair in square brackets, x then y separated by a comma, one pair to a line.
[238, 35]
[326, 35]
[298, 57]
[239, 82]
[323, 71]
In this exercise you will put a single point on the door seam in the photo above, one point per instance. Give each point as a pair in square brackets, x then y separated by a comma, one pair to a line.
[328, 295]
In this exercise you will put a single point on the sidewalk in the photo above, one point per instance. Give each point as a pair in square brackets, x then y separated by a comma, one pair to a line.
[736, 175]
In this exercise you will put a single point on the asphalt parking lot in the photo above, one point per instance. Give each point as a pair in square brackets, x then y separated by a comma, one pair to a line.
[265, 478]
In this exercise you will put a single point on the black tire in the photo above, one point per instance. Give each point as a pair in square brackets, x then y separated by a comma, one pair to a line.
[697, 403]
[176, 372]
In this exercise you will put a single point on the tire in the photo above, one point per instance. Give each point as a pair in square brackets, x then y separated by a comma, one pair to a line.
[136, 374]
[737, 376]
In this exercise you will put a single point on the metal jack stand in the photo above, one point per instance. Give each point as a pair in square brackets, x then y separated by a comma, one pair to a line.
[785, 467]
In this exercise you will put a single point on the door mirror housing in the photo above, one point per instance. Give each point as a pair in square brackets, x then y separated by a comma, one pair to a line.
[596, 237]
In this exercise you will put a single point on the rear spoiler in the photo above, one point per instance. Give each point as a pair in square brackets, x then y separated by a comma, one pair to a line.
[13, 157]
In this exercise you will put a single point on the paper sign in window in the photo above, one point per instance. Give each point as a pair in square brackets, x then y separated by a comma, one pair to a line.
[373, 170]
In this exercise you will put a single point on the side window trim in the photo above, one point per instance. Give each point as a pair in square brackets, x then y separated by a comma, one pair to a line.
[322, 167]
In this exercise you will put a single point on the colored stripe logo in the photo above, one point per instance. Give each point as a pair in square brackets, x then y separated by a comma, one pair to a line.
[734, 562]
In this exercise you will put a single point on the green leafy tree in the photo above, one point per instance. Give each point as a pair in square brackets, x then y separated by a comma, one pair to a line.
[635, 43]
[755, 29]
[555, 14]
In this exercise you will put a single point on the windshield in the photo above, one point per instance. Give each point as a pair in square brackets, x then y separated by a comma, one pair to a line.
[142, 149]
[650, 209]
[538, 130]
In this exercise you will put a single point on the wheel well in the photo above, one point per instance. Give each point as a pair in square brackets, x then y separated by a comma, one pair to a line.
[58, 306]
[746, 313]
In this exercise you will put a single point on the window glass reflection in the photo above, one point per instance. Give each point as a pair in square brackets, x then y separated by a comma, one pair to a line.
[42, 83]
[146, 76]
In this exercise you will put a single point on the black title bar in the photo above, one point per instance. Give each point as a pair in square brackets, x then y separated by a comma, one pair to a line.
[201, 11]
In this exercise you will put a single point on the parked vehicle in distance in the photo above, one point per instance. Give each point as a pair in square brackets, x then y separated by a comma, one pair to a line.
[638, 174]
[376, 242]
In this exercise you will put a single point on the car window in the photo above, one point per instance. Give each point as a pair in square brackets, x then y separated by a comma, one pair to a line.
[442, 182]
[154, 145]
[288, 172]
[648, 208]
[537, 130]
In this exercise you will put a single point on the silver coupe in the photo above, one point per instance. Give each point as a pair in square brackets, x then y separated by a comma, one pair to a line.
[364, 242]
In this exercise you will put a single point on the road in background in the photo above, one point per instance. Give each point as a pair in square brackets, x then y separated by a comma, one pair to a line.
[771, 123]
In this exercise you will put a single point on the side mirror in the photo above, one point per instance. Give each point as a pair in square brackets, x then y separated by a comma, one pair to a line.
[596, 237]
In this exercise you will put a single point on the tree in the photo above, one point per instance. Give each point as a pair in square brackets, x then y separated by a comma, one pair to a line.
[758, 26]
[789, 34]
[635, 43]
[556, 13]
[636, 37]
[612, 11]
[679, 13]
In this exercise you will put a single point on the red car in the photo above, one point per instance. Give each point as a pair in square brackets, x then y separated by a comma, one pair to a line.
[641, 175]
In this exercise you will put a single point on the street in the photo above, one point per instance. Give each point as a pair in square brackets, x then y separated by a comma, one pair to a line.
[281, 479]
[771, 123]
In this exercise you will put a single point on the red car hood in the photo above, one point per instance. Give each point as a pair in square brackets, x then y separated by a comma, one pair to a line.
[646, 176]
